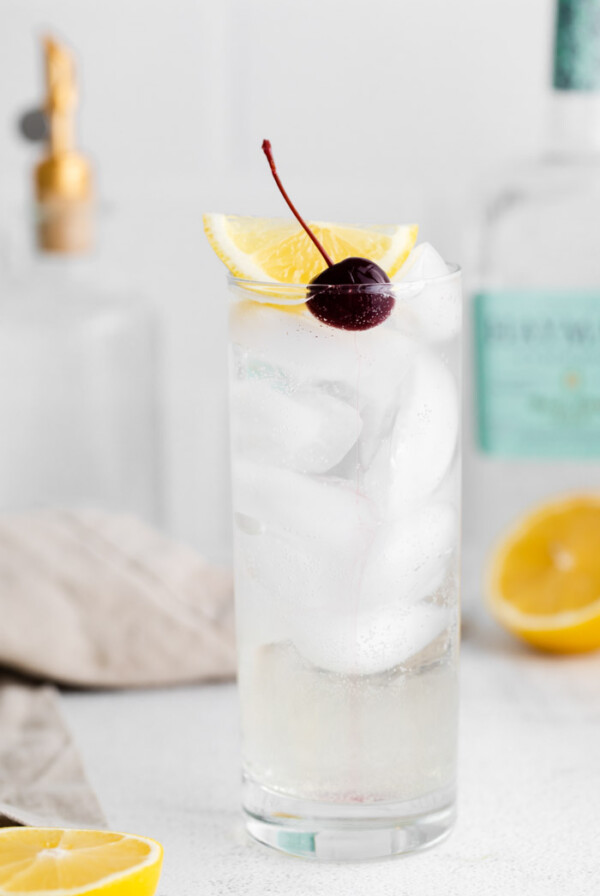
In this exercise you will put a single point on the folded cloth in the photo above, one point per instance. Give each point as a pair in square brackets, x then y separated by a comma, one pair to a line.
[93, 600]
[42, 781]
[97, 600]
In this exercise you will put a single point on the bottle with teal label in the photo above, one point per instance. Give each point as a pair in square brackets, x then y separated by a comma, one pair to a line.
[535, 316]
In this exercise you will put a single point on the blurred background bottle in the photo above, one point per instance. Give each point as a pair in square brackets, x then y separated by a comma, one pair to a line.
[536, 312]
[78, 361]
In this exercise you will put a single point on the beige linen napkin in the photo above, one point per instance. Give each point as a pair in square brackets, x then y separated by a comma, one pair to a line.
[42, 781]
[96, 600]
[93, 600]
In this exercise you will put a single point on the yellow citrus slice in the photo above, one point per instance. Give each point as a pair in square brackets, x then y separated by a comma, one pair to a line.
[544, 578]
[278, 250]
[57, 862]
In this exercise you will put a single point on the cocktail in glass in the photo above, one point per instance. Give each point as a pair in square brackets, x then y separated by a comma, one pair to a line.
[346, 494]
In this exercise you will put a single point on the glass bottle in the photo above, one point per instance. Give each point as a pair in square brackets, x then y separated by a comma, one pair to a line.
[536, 313]
[78, 363]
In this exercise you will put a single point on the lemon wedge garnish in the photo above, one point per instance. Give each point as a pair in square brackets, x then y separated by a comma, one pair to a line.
[278, 250]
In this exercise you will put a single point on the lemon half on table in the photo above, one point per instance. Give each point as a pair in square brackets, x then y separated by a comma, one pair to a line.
[57, 862]
[278, 250]
[544, 578]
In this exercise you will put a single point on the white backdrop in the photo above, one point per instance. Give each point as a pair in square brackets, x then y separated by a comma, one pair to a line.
[386, 111]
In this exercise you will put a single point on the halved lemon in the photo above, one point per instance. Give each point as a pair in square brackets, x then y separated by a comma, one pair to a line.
[544, 578]
[57, 862]
[278, 250]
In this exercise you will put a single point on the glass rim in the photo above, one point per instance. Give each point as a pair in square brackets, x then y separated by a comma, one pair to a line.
[295, 293]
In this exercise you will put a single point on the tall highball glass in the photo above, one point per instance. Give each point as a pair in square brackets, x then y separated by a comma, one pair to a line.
[346, 499]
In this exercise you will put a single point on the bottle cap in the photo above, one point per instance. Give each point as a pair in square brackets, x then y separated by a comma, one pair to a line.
[577, 45]
[63, 178]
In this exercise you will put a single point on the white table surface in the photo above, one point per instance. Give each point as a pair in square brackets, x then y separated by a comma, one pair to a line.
[165, 764]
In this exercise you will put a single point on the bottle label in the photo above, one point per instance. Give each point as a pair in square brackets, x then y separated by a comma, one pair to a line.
[537, 357]
[577, 45]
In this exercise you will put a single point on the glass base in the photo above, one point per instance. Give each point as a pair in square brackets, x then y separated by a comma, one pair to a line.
[346, 832]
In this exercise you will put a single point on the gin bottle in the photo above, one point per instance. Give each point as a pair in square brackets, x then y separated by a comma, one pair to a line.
[78, 410]
[536, 313]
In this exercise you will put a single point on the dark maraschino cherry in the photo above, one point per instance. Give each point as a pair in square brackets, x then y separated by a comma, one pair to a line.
[342, 305]
[345, 306]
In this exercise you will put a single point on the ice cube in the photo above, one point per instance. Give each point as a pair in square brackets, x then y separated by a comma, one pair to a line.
[297, 576]
[381, 614]
[449, 489]
[408, 560]
[308, 430]
[371, 365]
[320, 510]
[381, 384]
[373, 641]
[411, 464]
[437, 308]
[294, 340]
[423, 263]
[286, 585]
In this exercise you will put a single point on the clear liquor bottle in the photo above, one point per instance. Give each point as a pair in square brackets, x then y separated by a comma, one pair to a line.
[536, 313]
[78, 362]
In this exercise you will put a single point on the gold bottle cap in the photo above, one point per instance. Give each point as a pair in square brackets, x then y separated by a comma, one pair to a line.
[63, 178]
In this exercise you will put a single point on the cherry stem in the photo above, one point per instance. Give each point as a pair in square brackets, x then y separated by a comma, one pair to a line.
[266, 148]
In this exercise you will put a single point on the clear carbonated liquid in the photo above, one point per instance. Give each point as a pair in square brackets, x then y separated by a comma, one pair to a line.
[328, 737]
